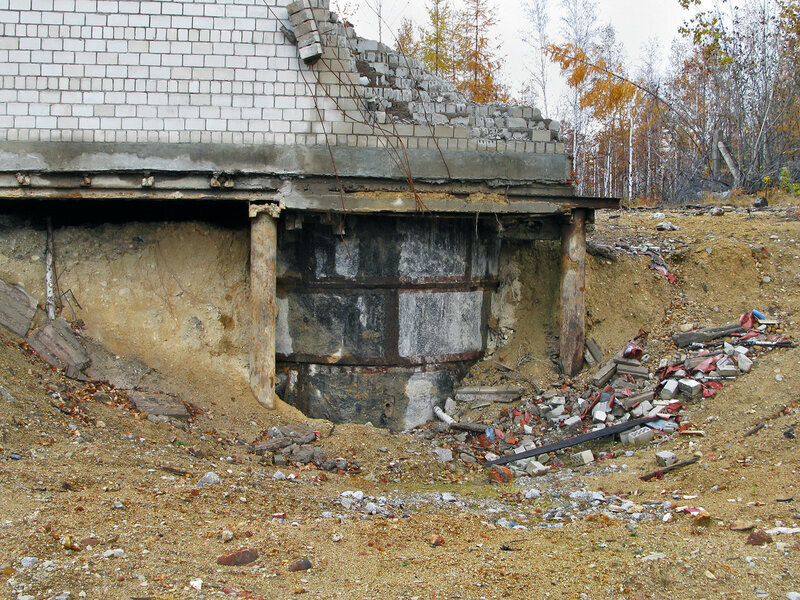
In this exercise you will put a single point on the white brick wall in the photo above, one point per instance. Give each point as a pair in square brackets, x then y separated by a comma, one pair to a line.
[144, 71]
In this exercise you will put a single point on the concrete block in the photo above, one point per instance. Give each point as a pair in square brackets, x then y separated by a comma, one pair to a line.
[691, 388]
[580, 459]
[554, 414]
[573, 423]
[670, 389]
[666, 458]
[600, 416]
[744, 363]
[536, 469]
[670, 427]
[641, 437]
[727, 368]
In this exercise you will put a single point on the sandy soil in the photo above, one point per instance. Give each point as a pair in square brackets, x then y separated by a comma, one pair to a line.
[108, 503]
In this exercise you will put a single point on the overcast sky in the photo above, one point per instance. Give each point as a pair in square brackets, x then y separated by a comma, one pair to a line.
[636, 21]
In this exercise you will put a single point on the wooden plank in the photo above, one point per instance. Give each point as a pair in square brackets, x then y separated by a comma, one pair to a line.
[666, 470]
[573, 293]
[60, 347]
[263, 306]
[702, 336]
[594, 348]
[573, 441]
[507, 393]
[604, 375]
[17, 308]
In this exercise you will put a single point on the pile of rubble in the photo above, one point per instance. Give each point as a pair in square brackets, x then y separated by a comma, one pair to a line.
[294, 443]
[623, 398]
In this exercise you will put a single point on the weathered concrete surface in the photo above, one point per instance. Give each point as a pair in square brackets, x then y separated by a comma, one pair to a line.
[426, 164]
[374, 324]
[435, 323]
[396, 398]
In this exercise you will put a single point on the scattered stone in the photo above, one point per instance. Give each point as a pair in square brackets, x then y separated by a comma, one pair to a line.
[28, 562]
[209, 478]
[300, 565]
[226, 535]
[196, 584]
[532, 494]
[500, 474]
[717, 211]
[667, 226]
[114, 553]
[759, 538]
[159, 405]
[6, 394]
[436, 540]
[741, 525]
[654, 556]
[444, 454]
[245, 556]
[303, 454]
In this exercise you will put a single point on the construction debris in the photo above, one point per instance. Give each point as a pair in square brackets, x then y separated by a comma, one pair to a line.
[17, 308]
[625, 397]
[503, 394]
[667, 469]
[58, 344]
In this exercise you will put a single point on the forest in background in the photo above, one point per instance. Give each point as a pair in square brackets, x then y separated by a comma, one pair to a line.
[724, 113]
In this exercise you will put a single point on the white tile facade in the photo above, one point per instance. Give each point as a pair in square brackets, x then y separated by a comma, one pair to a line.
[221, 71]
[216, 71]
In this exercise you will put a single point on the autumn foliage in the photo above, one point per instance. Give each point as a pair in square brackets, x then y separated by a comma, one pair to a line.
[456, 44]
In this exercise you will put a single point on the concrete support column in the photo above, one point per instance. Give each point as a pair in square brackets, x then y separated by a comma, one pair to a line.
[263, 305]
[573, 292]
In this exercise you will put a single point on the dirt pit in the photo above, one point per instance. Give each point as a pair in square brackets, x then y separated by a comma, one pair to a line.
[100, 502]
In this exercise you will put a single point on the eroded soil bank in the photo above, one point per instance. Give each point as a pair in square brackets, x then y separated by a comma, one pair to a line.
[103, 503]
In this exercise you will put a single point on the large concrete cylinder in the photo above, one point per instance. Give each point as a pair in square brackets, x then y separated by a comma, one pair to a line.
[379, 316]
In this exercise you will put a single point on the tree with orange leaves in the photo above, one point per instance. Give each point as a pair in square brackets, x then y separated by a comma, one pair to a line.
[479, 62]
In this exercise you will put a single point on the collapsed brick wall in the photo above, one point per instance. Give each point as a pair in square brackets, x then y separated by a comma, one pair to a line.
[223, 72]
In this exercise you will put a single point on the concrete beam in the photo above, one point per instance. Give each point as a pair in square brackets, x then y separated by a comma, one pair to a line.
[573, 293]
[424, 164]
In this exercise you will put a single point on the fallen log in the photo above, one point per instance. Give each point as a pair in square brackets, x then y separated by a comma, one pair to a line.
[573, 441]
[665, 470]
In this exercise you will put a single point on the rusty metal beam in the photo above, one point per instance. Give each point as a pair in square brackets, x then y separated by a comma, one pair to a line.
[263, 305]
[573, 293]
